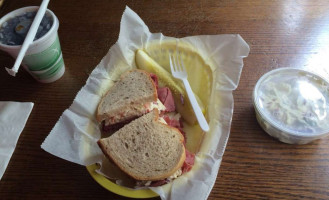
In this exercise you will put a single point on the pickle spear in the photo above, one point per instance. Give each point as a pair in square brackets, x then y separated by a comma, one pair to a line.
[145, 62]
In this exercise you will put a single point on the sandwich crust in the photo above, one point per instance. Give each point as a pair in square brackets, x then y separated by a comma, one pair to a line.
[146, 149]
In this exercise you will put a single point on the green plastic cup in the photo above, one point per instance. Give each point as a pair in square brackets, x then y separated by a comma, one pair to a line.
[43, 59]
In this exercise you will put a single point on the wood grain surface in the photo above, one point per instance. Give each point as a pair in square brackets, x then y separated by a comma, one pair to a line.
[281, 33]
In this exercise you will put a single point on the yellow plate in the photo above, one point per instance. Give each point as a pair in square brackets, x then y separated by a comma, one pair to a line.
[117, 189]
[200, 75]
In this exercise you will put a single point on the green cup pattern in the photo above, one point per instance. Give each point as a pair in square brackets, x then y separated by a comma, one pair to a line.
[52, 71]
[45, 64]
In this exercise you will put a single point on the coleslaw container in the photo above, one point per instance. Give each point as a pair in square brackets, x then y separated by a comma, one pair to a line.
[292, 105]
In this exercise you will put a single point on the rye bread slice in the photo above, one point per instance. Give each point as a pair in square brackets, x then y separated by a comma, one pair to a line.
[126, 98]
[146, 149]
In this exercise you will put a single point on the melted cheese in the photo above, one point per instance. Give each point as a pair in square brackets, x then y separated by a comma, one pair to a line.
[158, 104]
[162, 120]
[175, 175]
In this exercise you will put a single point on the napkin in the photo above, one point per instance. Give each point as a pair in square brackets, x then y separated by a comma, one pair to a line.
[13, 117]
[74, 136]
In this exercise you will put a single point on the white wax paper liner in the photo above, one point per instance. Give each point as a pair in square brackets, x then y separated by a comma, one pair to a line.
[74, 136]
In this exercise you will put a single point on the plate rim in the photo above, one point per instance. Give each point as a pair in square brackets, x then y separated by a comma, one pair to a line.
[117, 189]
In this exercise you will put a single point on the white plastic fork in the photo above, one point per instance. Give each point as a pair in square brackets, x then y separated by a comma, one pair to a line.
[178, 71]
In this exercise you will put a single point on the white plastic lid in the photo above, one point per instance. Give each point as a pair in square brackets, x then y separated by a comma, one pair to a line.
[294, 101]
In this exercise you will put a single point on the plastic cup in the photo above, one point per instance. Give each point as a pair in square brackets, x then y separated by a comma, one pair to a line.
[43, 59]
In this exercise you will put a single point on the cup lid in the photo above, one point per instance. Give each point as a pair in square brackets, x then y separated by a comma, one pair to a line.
[294, 101]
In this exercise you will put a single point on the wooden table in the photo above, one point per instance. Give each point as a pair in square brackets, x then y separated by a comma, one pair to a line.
[280, 34]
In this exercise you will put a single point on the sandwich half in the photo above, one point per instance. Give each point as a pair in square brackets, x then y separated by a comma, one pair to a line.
[134, 95]
[146, 149]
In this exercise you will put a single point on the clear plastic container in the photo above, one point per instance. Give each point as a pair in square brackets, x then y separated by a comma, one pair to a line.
[292, 105]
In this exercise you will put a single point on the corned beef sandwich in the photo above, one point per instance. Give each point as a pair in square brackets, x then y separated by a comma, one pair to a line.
[149, 144]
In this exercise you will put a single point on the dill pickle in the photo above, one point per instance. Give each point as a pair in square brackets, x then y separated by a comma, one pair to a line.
[145, 62]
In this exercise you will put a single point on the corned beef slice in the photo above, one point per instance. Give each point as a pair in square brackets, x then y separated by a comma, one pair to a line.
[155, 79]
[189, 162]
[158, 183]
[174, 123]
[165, 96]
[117, 126]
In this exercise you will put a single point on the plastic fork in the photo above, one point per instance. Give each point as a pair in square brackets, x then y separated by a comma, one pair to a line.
[178, 71]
